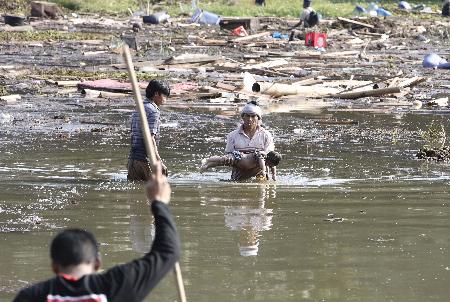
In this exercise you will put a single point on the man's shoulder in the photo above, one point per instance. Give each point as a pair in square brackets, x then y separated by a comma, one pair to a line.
[150, 106]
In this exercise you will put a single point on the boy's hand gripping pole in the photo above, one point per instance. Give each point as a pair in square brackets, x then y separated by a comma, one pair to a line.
[149, 146]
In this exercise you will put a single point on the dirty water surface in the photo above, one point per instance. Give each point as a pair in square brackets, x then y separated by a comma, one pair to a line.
[353, 217]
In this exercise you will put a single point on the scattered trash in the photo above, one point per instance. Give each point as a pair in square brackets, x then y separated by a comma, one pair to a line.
[278, 35]
[108, 85]
[383, 13]
[437, 154]
[373, 10]
[441, 102]
[435, 61]
[203, 17]
[331, 218]
[5, 118]
[239, 31]
[404, 5]
[156, 18]
[14, 20]
[360, 10]
[316, 39]
[417, 104]
[9, 99]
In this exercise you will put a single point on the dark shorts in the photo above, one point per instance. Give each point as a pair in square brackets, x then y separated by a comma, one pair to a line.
[138, 170]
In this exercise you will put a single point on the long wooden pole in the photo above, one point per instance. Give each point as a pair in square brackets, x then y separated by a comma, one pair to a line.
[149, 147]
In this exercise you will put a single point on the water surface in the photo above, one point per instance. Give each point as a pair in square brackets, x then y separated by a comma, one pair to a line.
[353, 217]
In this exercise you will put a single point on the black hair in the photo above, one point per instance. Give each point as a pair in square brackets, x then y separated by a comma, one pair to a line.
[73, 247]
[273, 157]
[157, 86]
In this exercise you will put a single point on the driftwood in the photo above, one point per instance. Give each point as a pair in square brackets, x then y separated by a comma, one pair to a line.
[192, 59]
[412, 82]
[355, 22]
[366, 93]
[276, 89]
[251, 37]
[224, 86]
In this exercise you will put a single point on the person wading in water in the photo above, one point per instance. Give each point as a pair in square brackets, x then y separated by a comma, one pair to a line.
[249, 137]
[75, 260]
[156, 94]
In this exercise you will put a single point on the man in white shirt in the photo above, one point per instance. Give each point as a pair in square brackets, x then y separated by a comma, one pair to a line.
[249, 137]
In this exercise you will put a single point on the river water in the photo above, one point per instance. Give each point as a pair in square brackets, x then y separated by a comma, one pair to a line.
[353, 217]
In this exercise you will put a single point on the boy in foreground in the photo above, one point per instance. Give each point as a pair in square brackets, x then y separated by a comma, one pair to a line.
[256, 160]
[76, 259]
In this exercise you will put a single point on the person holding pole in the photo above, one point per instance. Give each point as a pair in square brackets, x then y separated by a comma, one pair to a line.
[156, 94]
[75, 260]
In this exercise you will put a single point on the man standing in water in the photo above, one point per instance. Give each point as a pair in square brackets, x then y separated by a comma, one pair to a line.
[76, 259]
[249, 137]
[156, 94]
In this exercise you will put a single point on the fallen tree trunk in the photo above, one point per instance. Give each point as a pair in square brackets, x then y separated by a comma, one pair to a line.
[276, 89]
[366, 93]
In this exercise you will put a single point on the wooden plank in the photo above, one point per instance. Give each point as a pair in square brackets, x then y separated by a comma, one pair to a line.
[355, 22]
[192, 59]
[251, 37]
[224, 86]
[211, 42]
[412, 82]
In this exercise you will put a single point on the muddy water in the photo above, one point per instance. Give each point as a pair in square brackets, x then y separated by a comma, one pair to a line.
[353, 217]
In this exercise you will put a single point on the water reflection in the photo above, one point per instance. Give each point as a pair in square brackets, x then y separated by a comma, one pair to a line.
[142, 228]
[250, 218]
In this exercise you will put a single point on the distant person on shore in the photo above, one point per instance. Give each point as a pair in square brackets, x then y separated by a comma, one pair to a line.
[446, 8]
[256, 160]
[76, 259]
[156, 94]
[308, 18]
[248, 138]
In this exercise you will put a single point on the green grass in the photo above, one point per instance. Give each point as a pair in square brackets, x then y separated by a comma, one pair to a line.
[292, 8]
[91, 75]
[105, 6]
[280, 8]
[49, 35]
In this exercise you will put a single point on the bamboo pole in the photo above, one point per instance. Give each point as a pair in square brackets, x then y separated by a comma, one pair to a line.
[149, 146]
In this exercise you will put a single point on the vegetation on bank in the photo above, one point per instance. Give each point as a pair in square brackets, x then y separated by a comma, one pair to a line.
[79, 74]
[280, 8]
[49, 35]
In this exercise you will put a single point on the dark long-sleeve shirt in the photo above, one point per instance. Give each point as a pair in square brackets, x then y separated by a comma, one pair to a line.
[129, 282]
